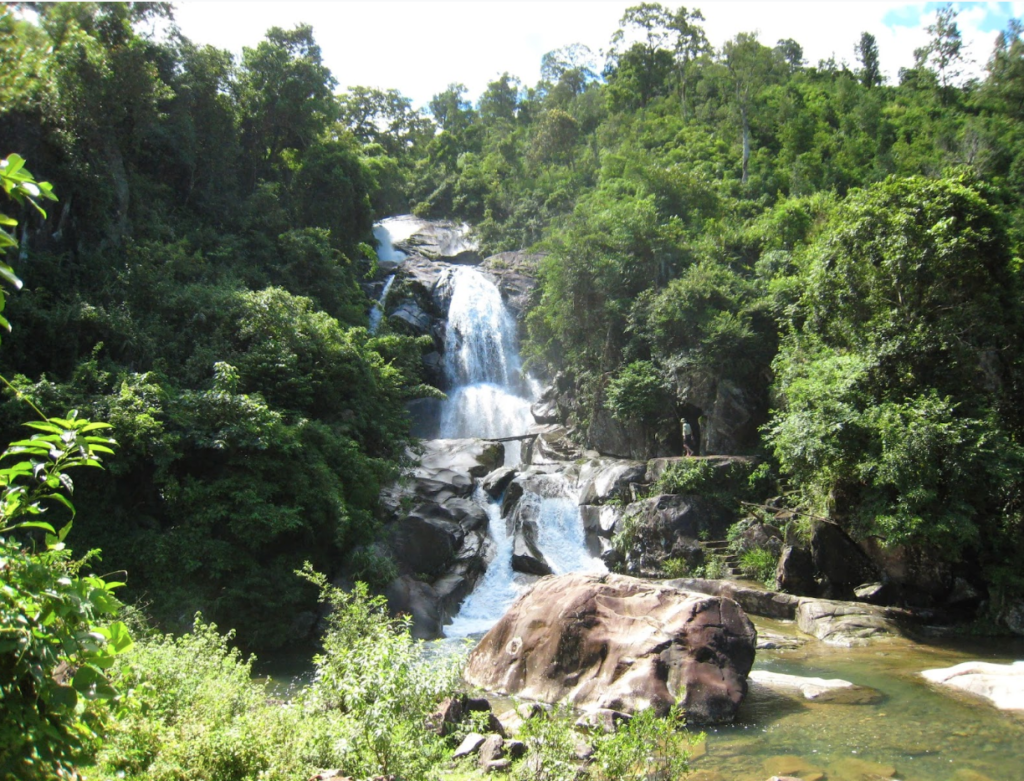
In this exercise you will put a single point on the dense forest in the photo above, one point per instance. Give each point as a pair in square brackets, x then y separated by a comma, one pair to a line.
[843, 248]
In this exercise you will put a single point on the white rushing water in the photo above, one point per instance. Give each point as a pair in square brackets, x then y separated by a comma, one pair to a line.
[387, 233]
[377, 313]
[489, 396]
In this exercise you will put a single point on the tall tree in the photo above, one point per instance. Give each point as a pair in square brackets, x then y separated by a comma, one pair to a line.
[1006, 70]
[944, 52]
[639, 70]
[690, 43]
[568, 70]
[867, 54]
[284, 94]
[750, 66]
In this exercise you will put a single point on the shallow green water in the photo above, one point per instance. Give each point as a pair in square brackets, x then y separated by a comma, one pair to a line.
[920, 732]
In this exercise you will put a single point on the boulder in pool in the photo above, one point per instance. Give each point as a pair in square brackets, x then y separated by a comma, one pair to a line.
[834, 690]
[1000, 684]
[619, 643]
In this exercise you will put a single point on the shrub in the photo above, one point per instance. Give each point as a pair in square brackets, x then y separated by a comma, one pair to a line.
[551, 740]
[57, 636]
[676, 568]
[727, 483]
[636, 393]
[760, 565]
[646, 748]
[373, 691]
[193, 711]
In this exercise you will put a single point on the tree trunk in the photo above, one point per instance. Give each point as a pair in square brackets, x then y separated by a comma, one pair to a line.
[746, 144]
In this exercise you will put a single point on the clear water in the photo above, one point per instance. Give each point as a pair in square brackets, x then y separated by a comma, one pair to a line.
[920, 732]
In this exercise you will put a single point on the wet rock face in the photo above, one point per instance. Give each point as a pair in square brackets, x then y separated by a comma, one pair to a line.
[515, 274]
[435, 531]
[618, 643]
[526, 554]
[434, 239]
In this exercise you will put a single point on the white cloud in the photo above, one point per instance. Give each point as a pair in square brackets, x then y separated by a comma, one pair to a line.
[421, 47]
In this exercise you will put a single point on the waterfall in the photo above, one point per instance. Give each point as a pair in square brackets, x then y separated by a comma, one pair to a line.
[385, 235]
[561, 539]
[488, 395]
[377, 313]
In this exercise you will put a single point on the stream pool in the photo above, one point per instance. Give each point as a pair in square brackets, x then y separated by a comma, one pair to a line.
[912, 732]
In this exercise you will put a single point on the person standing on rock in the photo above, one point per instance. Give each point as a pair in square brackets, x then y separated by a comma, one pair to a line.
[687, 436]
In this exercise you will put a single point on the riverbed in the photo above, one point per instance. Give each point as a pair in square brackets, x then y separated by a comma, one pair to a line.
[913, 732]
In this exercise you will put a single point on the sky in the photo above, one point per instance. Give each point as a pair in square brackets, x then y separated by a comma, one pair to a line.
[419, 47]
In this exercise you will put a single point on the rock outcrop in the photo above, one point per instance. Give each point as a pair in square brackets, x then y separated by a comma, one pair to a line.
[833, 622]
[618, 643]
[435, 534]
[840, 561]
[669, 527]
[515, 274]
[834, 690]
[844, 623]
[434, 239]
[794, 573]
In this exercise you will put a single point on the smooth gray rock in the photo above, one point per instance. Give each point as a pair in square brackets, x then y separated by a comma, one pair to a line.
[434, 239]
[498, 480]
[413, 597]
[602, 480]
[834, 690]
[469, 745]
[844, 623]
[554, 445]
[526, 553]
[545, 412]
[1000, 684]
[492, 749]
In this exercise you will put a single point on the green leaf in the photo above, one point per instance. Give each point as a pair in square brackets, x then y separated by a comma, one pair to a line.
[95, 426]
[35, 525]
[7, 275]
[120, 638]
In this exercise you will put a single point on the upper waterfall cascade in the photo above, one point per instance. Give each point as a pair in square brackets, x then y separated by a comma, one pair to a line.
[488, 394]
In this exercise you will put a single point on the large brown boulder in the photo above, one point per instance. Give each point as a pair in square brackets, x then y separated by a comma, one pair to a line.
[619, 643]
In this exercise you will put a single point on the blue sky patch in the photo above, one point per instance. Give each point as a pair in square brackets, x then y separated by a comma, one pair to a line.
[997, 15]
[905, 16]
